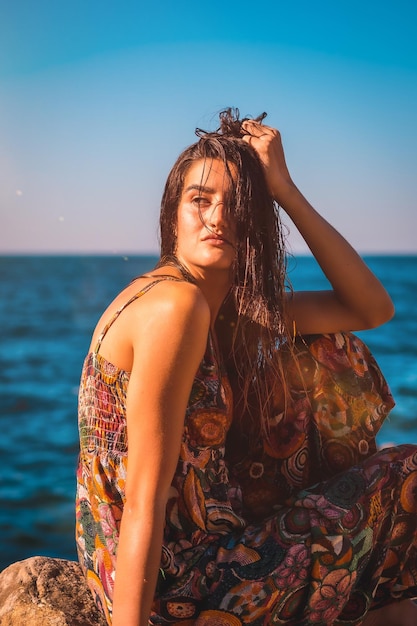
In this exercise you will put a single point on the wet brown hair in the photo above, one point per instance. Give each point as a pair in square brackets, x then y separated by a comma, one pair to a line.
[259, 273]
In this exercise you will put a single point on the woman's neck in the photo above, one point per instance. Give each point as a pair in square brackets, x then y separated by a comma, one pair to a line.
[215, 290]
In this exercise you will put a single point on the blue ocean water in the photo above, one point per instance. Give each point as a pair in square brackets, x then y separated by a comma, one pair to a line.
[48, 308]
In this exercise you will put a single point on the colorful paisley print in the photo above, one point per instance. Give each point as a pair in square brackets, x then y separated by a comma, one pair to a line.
[311, 526]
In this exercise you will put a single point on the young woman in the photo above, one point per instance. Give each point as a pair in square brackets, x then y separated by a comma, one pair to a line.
[228, 471]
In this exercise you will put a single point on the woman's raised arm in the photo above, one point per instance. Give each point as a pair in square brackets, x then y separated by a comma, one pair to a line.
[358, 299]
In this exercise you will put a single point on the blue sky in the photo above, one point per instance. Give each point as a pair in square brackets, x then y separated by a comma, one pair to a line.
[97, 99]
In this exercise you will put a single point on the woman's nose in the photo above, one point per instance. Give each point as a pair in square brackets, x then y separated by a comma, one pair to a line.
[218, 215]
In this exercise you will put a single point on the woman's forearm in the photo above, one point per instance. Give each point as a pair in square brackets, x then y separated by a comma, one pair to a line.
[353, 282]
[137, 566]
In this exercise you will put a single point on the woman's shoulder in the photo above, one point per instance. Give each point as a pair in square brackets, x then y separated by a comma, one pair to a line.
[172, 318]
[163, 298]
[150, 307]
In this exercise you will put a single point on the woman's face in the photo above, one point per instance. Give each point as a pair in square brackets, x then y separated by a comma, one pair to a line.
[206, 236]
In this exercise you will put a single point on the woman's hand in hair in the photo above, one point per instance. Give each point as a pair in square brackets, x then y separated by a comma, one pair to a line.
[267, 143]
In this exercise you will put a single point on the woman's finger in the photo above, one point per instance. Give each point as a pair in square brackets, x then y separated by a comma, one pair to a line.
[257, 130]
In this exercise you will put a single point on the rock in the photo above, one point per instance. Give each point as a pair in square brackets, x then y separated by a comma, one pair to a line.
[42, 591]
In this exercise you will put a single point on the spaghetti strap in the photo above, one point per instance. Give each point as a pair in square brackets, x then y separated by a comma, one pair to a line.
[168, 276]
[132, 299]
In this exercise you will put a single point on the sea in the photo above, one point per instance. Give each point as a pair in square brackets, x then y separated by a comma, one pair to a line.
[49, 306]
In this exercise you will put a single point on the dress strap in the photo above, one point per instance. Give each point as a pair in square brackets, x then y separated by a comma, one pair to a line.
[132, 299]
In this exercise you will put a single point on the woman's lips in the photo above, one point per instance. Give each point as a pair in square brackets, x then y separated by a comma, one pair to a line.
[217, 240]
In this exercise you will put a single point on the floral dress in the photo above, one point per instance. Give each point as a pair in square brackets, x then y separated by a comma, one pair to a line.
[310, 525]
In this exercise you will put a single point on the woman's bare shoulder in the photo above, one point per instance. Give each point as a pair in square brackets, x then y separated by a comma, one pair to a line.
[170, 295]
[169, 306]
[156, 290]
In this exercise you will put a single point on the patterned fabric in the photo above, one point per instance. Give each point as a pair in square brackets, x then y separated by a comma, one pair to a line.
[308, 526]
[337, 402]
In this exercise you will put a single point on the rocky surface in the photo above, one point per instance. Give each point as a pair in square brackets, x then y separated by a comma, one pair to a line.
[42, 591]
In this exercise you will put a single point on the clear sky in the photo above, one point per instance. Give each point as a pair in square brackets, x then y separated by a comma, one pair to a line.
[97, 99]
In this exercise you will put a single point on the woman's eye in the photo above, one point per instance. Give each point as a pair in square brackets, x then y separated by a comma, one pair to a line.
[200, 201]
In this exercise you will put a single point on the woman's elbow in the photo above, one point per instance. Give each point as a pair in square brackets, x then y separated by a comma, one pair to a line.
[382, 313]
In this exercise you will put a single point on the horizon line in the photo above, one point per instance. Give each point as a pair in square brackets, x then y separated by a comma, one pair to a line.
[91, 253]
